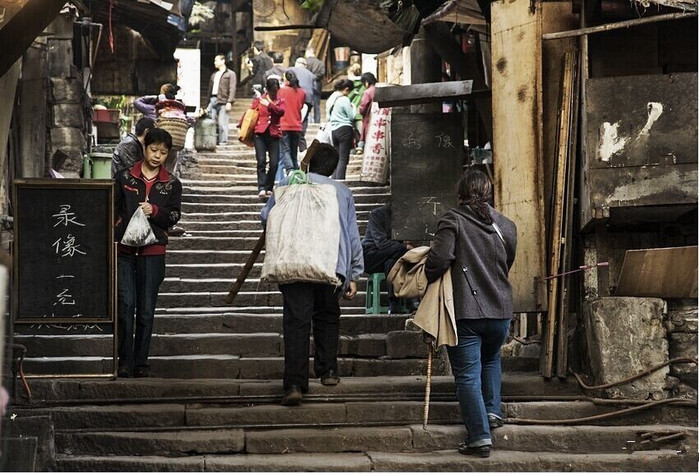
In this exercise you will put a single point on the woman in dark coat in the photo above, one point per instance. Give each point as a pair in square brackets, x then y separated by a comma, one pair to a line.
[479, 244]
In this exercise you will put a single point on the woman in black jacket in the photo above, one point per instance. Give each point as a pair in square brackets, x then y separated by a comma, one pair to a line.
[479, 244]
[141, 270]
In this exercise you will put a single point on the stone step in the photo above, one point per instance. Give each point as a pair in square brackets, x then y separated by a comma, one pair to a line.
[176, 284]
[206, 256]
[374, 199]
[439, 461]
[190, 185]
[242, 212]
[249, 179]
[249, 207]
[194, 187]
[247, 167]
[258, 309]
[253, 298]
[228, 225]
[395, 439]
[330, 410]
[243, 323]
[243, 345]
[216, 366]
[387, 388]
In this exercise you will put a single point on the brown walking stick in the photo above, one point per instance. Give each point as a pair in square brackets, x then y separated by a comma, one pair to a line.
[428, 385]
[235, 288]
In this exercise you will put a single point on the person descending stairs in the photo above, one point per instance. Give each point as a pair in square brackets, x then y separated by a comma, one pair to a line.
[215, 402]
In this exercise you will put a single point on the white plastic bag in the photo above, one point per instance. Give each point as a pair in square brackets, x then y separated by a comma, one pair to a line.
[303, 235]
[139, 232]
[324, 134]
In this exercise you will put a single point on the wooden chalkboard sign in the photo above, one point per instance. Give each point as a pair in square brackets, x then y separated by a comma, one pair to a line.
[63, 252]
[426, 163]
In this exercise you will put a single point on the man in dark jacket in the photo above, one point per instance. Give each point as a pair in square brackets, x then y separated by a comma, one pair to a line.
[380, 252]
[222, 89]
[317, 67]
[261, 62]
[130, 149]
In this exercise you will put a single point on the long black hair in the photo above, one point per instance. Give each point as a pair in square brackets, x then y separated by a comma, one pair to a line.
[475, 190]
[290, 76]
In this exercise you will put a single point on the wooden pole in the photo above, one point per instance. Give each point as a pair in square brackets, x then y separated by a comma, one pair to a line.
[235, 288]
[617, 26]
[428, 387]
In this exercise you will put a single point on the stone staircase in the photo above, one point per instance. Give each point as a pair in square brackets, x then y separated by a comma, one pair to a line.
[215, 405]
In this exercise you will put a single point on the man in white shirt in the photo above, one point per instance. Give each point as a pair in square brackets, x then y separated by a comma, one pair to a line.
[222, 89]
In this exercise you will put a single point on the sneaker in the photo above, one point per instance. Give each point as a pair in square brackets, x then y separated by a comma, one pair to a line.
[359, 151]
[269, 193]
[494, 421]
[262, 194]
[482, 451]
[143, 372]
[292, 397]
[330, 378]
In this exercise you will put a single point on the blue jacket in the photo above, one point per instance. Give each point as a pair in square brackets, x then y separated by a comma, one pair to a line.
[350, 260]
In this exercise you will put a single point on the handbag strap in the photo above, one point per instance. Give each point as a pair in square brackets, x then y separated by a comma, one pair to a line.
[499, 232]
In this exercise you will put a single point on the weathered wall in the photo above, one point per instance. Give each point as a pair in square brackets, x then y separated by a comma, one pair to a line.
[66, 99]
[681, 326]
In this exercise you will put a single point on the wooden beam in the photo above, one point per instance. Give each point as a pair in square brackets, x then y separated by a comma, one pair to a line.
[393, 96]
[618, 25]
[19, 33]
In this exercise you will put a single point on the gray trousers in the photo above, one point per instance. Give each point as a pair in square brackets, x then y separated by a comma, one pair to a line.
[219, 113]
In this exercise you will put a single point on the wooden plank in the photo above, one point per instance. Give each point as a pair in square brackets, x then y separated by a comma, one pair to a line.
[392, 96]
[517, 137]
[557, 210]
[20, 31]
[618, 25]
[662, 273]
[8, 88]
[33, 113]
[567, 240]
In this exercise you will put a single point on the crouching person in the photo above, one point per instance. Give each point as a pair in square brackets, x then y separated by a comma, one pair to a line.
[307, 303]
[141, 257]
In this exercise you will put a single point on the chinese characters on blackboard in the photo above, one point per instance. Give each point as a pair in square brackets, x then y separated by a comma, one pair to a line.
[66, 247]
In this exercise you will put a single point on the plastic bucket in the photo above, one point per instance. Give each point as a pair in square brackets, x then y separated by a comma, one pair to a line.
[101, 165]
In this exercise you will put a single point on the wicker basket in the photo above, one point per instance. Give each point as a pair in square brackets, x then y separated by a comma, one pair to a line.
[177, 128]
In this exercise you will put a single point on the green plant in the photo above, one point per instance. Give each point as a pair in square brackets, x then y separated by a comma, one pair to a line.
[312, 5]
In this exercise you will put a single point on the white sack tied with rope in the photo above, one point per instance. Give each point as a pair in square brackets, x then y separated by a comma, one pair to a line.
[303, 233]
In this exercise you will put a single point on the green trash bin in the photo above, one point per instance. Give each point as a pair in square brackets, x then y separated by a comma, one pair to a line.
[101, 165]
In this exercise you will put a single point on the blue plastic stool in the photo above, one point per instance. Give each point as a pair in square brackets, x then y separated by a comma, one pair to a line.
[373, 294]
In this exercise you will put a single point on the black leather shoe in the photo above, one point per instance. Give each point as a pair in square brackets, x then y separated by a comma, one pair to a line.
[123, 372]
[482, 451]
[330, 378]
[495, 421]
[143, 372]
[292, 397]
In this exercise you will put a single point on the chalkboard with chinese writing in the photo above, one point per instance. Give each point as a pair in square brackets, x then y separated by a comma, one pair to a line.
[426, 163]
[63, 251]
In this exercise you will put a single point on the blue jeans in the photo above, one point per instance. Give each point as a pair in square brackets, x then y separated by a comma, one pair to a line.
[266, 144]
[138, 281]
[475, 363]
[289, 149]
[219, 113]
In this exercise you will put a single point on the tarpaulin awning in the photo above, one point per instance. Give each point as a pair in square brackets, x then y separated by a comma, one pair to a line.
[458, 11]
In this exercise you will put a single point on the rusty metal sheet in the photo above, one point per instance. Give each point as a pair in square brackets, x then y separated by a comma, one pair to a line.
[662, 273]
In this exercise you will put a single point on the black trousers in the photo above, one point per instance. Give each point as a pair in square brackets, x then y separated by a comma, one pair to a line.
[382, 260]
[306, 303]
[342, 141]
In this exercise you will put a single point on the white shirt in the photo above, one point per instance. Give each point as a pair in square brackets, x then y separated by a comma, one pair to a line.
[217, 79]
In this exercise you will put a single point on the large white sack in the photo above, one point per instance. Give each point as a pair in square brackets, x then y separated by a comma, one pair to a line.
[303, 235]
